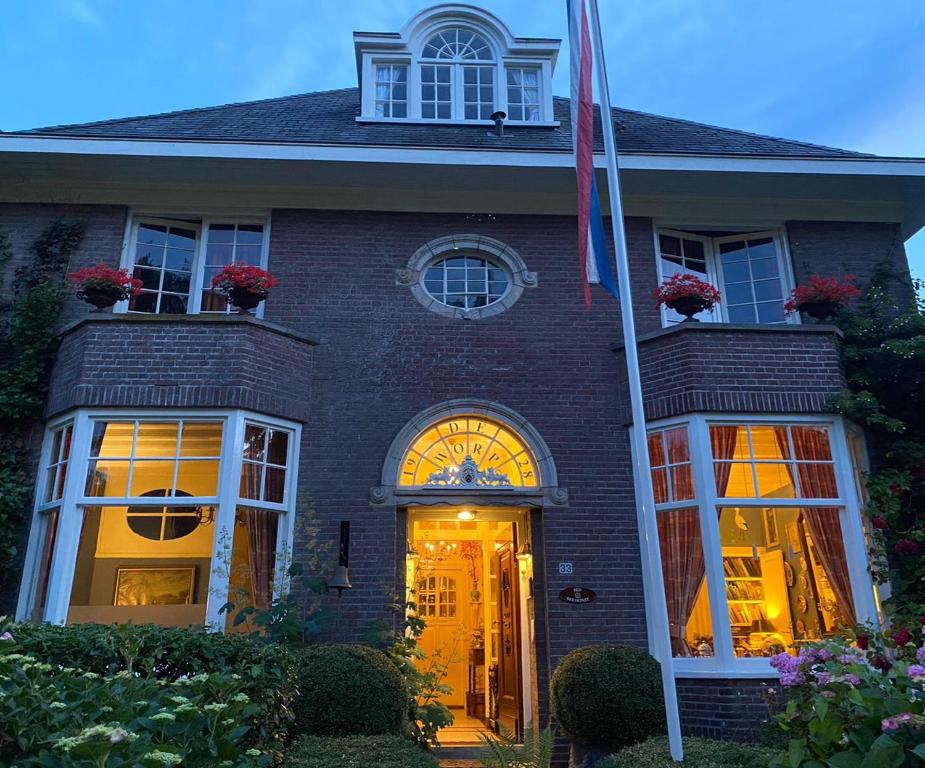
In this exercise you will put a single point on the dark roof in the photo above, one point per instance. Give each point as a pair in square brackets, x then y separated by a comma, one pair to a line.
[329, 117]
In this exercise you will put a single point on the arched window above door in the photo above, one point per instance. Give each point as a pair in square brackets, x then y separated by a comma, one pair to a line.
[468, 452]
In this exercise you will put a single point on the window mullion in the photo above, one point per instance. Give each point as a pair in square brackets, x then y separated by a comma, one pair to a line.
[713, 551]
[70, 522]
[229, 471]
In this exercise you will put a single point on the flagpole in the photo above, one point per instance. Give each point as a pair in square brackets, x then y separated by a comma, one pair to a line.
[656, 581]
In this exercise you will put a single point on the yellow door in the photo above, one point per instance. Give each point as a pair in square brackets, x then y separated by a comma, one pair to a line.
[442, 597]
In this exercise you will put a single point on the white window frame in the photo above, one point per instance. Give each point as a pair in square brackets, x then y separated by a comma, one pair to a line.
[714, 268]
[73, 502]
[724, 663]
[201, 223]
[500, 62]
[391, 64]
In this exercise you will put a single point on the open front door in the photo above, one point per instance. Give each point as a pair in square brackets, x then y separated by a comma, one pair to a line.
[510, 713]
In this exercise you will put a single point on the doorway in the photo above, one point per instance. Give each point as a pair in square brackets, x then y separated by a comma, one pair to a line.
[469, 574]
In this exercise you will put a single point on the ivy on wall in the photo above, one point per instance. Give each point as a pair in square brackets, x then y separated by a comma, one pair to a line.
[29, 343]
[884, 358]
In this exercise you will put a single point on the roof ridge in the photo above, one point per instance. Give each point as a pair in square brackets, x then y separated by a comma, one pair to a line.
[685, 121]
[191, 110]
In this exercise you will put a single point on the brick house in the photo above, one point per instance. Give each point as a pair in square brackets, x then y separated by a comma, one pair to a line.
[426, 372]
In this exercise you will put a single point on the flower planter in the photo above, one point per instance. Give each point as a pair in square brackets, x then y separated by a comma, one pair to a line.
[244, 300]
[102, 298]
[818, 310]
[688, 306]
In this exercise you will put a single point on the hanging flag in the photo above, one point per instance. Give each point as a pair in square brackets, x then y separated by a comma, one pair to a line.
[593, 255]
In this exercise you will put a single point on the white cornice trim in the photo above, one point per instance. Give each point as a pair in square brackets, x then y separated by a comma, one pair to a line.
[845, 166]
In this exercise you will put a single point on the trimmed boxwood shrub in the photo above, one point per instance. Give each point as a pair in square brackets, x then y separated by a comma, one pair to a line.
[349, 690]
[609, 696]
[386, 751]
[268, 670]
[698, 753]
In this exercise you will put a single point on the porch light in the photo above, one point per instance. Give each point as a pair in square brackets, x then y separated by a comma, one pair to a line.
[341, 579]
[525, 557]
[465, 514]
[410, 552]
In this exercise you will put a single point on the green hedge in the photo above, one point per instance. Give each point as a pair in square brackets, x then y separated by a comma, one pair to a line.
[387, 751]
[349, 690]
[268, 671]
[698, 753]
[609, 696]
[66, 717]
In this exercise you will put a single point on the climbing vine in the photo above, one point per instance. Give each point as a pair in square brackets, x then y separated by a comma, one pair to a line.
[29, 344]
[884, 358]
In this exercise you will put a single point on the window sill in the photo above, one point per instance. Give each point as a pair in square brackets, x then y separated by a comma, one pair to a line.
[207, 319]
[750, 669]
[487, 124]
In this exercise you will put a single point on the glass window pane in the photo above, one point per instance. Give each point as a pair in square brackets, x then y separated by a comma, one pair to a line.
[275, 485]
[669, 246]
[744, 313]
[177, 259]
[251, 477]
[684, 573]
[733, 252]
[112, 438]
[157, 439]
[278, 447]
[762, 248]
[221, 233]
[220, 253]
[775, 480]
[150, 278]
[253, 561]
[682, 483]
[145, 302]
[107, 478]
[152, 478]
[171, 304]
[660, 486]
[201, 439]
[739, 293]
[736, 273]
[786, 577]
[49, 531]
[767, 290]
[764, 268]
[734, 479]
[181, 238]
[678, 448]
[254, 440]
[771, 312]
[198, 478]
[811, 443]
[153, 234]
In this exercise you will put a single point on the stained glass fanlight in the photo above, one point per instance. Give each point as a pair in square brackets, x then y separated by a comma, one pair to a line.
[468, 452]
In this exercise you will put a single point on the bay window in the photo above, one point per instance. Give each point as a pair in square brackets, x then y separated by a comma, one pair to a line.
[750, 270]
[158, 518]
[760, 538]
[176, 259]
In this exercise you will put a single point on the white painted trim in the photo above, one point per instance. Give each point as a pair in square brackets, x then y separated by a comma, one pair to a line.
[724, 664]
[913, 167]
[73, 502]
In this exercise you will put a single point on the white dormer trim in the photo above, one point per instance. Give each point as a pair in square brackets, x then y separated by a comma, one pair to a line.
[404, 49]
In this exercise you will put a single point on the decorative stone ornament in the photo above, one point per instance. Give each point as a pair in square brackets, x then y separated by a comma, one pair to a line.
[494, 252]
[468, 475]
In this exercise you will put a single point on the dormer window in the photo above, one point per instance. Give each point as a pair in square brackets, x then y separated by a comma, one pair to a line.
[455, 65]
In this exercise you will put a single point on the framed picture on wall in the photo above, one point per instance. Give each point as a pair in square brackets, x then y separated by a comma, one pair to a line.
[793, 536]
[154, 586]
[771, 535]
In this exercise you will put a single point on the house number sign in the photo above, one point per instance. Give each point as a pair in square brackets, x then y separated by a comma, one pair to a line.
[577, 595]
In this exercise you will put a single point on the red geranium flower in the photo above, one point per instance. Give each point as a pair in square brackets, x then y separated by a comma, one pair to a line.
[906, 547]
[822, 290]
[863, 642]
[882, 664]
[106, 279]
[243, 277]
[879, 522]
[902, 636]
[686, 285]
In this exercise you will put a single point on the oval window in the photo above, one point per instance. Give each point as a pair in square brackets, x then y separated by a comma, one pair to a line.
[466, 281]
[163, 523]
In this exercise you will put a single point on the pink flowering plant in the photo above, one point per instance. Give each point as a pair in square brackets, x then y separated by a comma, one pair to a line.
[854, 702]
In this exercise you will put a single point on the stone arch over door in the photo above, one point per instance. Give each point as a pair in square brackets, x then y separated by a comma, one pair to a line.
[523, 474]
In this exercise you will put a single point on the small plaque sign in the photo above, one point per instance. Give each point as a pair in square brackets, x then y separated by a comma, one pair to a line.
[577, 595]
[566, 569]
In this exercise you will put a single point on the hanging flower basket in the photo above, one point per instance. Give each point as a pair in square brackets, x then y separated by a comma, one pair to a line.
[103, 286]
[243, 286]
[687, 295]
[822, 297]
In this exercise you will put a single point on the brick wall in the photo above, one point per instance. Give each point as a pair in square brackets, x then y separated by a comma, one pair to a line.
[204, 362]
[726, 709]
[859, 248]
[709, 367]
[382, 358]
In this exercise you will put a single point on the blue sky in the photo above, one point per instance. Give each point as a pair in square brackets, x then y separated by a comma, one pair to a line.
[848, 74]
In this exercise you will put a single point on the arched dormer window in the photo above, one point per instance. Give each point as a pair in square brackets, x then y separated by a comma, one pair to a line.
[457, 76]
[455, 64]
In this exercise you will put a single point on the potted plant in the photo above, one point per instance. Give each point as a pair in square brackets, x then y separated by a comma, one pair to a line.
[243, 285]
[821, 297]
[687, 295]
[102, 286]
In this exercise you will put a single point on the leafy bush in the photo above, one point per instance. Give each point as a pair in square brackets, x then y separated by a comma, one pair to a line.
[55, 715]
[508, 751]
[698, 753]
[854, 704]
[349, 690]
[385, 751]
[169, 654]
[609, 696]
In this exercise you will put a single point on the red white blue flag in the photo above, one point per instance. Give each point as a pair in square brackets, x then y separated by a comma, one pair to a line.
[593, 255]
